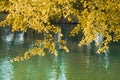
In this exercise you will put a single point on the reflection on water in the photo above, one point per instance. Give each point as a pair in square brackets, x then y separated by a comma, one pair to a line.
[6, 69]
[8, 37]
[106, 59]
[99, 38]
[58, 71]
[80, 64]
[19, 38]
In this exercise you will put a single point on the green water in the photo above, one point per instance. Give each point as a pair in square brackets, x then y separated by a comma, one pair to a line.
[80, 64]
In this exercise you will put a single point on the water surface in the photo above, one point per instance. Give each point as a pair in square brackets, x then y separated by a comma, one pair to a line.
[82, 63]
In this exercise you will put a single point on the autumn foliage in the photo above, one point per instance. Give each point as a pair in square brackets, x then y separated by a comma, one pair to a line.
[93, 17]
